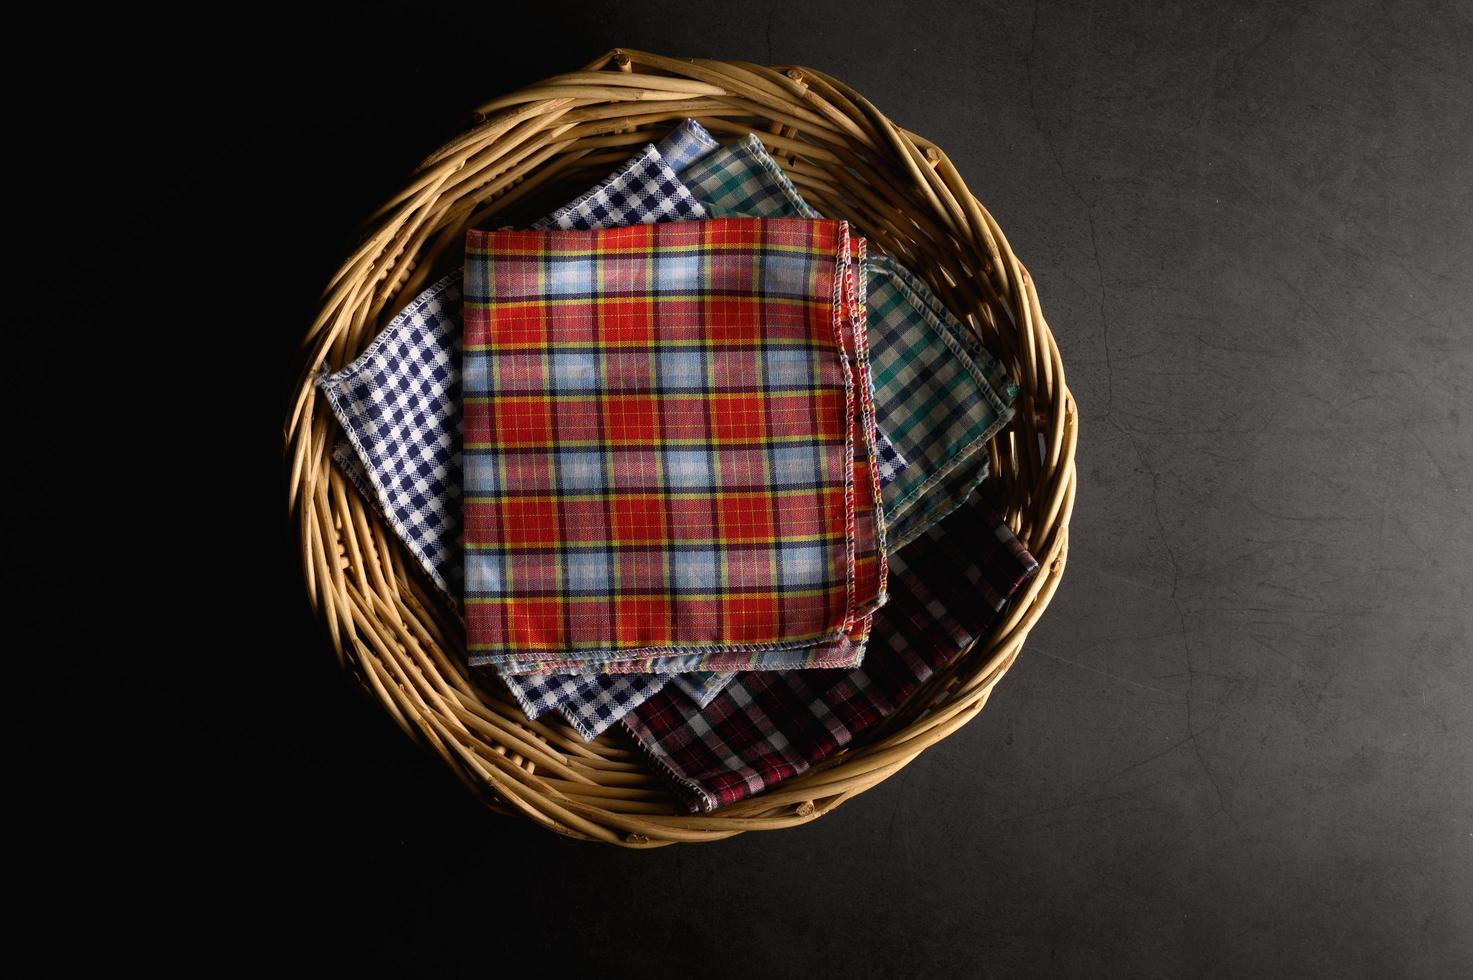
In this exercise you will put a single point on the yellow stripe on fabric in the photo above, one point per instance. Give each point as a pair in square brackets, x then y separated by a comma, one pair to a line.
[682, 442]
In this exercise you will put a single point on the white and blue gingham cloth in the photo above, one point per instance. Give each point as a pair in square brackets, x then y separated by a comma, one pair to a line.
[399, 405]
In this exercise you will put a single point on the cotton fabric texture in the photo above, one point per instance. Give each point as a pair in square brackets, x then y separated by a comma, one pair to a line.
[767, 727]
[592, 701]
[940, 396]
[644, 191]
[941, 393]
[399, 406]
[694, 491]
[869, 554]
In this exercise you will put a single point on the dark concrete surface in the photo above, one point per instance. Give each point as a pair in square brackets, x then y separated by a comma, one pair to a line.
[1239, 743]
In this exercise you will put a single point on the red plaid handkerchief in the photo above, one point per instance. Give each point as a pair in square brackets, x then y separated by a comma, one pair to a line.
[766, 727]
[870, 561]
[659, 445]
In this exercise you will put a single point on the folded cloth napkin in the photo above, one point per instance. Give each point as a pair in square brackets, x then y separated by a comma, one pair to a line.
[591, 702]
[767, 727]
[742, 178]
[659, 446]
[644, 191]
[940, 396]
[869, 555]
[399, 406]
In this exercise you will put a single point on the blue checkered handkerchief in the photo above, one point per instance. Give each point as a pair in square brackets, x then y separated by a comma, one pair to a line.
[644, 191]
[593, 702]
[399, 404]
[590, 702]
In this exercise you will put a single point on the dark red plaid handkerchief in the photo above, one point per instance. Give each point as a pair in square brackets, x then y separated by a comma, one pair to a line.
[659, 444]
[767, 726]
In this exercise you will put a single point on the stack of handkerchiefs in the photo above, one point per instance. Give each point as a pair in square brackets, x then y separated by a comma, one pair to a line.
[691, 459]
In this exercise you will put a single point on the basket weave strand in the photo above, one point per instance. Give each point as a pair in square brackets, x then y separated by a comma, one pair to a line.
[553, 138]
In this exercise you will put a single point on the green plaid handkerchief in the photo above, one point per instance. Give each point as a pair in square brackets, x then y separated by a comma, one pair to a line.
[939, 394]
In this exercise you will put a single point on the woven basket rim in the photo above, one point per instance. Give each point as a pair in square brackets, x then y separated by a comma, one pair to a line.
[899, 189]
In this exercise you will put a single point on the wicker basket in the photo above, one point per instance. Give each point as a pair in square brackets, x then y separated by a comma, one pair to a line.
[527, 151]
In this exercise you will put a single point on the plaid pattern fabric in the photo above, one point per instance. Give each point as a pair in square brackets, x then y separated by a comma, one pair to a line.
[685, 144]
[742, 179]
[868, 556]
[645, 190]
[946, 495]
[746, 181]
[399, 406]
[591, 703]
[642, 517]
[888, 460]
[940, 396]
[768, 727]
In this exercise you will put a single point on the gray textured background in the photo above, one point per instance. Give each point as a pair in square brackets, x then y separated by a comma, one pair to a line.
[1240, 741]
